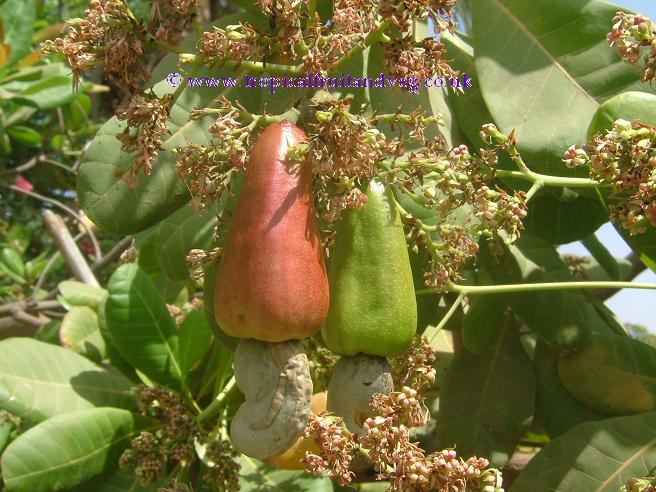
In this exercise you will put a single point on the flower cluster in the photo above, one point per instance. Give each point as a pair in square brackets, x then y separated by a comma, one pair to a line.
[337, 446]
[401, 13]
[146, 116]
[321, 362]
[151, 452]
[222, 469]
[386, 439]
[111, 37]
[643, 484]
[235, 42]
[625, 159]
[406, 59]
[632, 33]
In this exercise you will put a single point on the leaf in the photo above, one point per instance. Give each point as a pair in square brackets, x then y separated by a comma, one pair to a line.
[40, 380]
[195, 339]
[483, 322]
[184, 230]
[561, 218]
[487, 400]
[74, 293]
[561, 318]
[25, 135]
[48, 93]
[12, 260]
[594, 457]
[544, 68]
[79, 332]
[556, 409]
[106, 198]
[49, 332]
[119, 481]
[256, 476]
[612, 374]
[18, 18]
[140, 326]
[67, 449]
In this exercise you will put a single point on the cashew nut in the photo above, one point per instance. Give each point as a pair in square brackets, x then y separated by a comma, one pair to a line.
[275, 378]
[353, 383]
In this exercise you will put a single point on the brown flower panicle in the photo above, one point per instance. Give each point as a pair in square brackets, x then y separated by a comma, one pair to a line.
[631, 34]
[146, 116]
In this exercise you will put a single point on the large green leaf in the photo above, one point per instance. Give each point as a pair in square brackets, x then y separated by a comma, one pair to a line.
[562, 318]
[40, 380]
[629, 106]
[195, 340]
[256, 476]
[184, 230]
[487, 401]
[556, 409]
[80, 332]
[106, 198]
[594, 457]
[544, 68]
[74, 293]
[18, 18]
[612, 374]
[140, 326]
[483, 322]
[69, 448]
[118, 481]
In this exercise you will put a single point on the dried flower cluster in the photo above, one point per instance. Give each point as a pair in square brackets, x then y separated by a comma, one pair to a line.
[401, 13]
[146, 116]
[625, 159]
[199, 259]
[151, 452]
[415, 368]
[111, 37]
[321, 362]
[406, 59]
[631, 34]
[235, 42]
[644, 484]
[386, 440]
[222, 469]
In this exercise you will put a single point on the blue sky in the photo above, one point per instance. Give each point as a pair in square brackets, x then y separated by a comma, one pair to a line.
[634, 306]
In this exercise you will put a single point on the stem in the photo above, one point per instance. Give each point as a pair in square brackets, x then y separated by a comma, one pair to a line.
[534, 189]
[445, 319]
[214, 407]
[542, 286]
[546, 180]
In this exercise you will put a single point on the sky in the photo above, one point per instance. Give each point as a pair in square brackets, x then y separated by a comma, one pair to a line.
[632, 306]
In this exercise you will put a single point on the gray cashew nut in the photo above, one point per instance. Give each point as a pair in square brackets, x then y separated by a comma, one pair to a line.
[275, 378]
[353, 383]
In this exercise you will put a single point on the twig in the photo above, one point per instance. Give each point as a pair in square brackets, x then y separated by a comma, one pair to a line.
[637, 267]
[7, 309]
[22, 168]
[66, 244]
[67, 209]
[112, 254]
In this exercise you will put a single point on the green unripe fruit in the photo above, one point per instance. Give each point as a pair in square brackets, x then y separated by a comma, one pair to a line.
[373, 309]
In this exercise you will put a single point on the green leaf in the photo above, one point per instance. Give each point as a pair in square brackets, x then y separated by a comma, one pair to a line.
[103, 193]
[184, 230]
[48, 93]
[556, 409]
[68, 449]
[563, 217]
[487, 400]
[628, 106]
[612, 374]
[18, 237]
[49, 332]
[40, 380]
[594, 457]
[80, 333]
[119, 481]
[483, 322]
[25, 135]
[18, 18]
[561, 318]
[74, 293]
[113, 354]
[256, 476]
[140, 326]
[12, 260]
[544, 68]
[195, 339]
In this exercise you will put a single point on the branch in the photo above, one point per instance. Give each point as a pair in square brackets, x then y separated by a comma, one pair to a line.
[66, 244]
[637, 267]
[112, 254]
